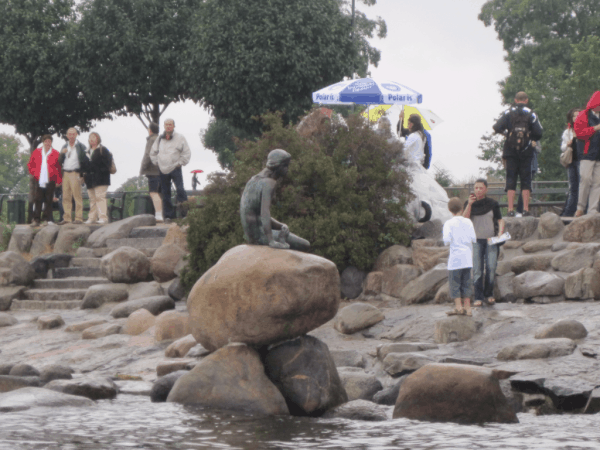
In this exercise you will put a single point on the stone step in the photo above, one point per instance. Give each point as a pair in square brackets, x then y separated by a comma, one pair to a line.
[100, 252]
[148, 232]
[54, 294]
[68, 283]
[66, 272]
[86, 262]
[137, 243]
[42, 305]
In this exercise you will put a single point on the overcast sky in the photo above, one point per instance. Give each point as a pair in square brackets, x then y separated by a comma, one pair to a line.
[438, 47]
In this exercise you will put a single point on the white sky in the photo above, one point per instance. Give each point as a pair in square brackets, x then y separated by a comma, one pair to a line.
[437, 47]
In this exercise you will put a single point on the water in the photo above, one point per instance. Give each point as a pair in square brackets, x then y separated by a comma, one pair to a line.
[133, 422]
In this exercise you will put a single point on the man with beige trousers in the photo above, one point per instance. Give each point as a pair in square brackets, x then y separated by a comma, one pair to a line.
[74, 162]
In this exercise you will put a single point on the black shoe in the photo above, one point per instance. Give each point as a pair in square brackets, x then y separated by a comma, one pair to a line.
[526, 214]
[511, 213]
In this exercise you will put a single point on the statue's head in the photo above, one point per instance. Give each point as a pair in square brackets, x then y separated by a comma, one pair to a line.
[278, 161]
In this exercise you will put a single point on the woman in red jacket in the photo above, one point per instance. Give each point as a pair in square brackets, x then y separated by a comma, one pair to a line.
[44, 167]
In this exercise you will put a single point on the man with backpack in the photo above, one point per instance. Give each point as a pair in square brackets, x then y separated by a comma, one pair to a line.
[522, 128]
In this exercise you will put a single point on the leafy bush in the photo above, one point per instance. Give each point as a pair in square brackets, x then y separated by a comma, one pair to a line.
[337, 193]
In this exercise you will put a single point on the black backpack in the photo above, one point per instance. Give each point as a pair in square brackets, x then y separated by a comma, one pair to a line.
[518, 136]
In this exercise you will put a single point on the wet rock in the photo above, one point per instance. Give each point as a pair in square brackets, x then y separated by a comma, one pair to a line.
[119, 229]
[231, 378]
[535, 349]
[537, 246]
[455, 329]
[593, 404]
[426, 258]
[80, 326]
[351, 282]
[395, 278]
[358, 410]
[92, 387]
[50, 321]
[134, 387]
[521, 228]
[403, 347]
[424, 287]
[550, 224]
[583, 229]
[304, 372]
[535, 262]
[259, 295]
[568, 394]
[453, 393]
[536, 284]
[7, 320]
[527, 383]
[100, 331]
[356, 317]
[56, 372]
[583, 284]
[396, 254]
[5, 368]
[21, 239]
[565, 328]
[44, 240]
[24, 370]
[33, 397]
[163, 262]
[176, 290]
[167, 367]
[171, 325]
[197, 351]
[180, 347]
[145, 289]
[347, 358]
[573, 260]
[358, 384]
[389, 395]
[155, 305]
[161, 387]
[21, 272]
[70, 238]
[138, 322]
[10, 383]
[125, 265]
[398, 364]
[503, 288]
[99, 294]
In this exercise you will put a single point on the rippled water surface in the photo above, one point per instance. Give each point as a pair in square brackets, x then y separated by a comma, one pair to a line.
[132, 422]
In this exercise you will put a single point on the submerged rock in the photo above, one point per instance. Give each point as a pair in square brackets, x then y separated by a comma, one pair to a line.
[33, 397]
[93, 387]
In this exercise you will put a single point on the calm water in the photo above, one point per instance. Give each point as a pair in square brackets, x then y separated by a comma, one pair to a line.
[132, 422]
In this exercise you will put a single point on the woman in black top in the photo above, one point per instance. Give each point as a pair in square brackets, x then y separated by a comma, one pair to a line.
[97, 178]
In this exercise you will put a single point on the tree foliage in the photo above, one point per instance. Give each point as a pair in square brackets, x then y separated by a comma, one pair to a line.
[337, 194]
[13, 165]
[130, 54]
[550, 47]
[221, 138]
[248, 58]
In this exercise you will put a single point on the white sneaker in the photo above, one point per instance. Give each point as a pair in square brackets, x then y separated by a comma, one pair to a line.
[102, 222]
[89, 222]
[158, 217]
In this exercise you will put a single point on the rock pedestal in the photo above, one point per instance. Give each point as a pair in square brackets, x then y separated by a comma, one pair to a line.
[259, 296]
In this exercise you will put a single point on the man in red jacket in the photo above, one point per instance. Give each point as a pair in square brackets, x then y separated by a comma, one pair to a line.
[586, 126]
[44, 167]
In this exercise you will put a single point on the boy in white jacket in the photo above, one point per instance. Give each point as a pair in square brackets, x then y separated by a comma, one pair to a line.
[459, 233]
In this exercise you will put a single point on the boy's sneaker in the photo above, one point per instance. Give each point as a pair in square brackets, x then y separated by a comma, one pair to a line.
[526, 214]
[511, 213]
[159, 217]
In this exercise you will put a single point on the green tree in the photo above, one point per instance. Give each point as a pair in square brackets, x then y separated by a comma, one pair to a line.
[221, 138]
[491, 146]
[337, 194]
[248, 58]
[130, 54]
[13, 165]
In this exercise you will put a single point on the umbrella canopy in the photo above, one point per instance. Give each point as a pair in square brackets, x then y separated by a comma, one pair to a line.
[367, 91]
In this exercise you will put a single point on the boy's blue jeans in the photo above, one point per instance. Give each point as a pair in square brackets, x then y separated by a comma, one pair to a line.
[485, 259]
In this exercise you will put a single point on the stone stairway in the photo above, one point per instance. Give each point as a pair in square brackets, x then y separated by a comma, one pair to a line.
[65, 287]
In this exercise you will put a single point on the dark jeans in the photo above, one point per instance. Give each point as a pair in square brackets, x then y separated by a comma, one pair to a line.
[485, 257]
[573, 197]
[165, 186]
[45, 196]
[519, 207]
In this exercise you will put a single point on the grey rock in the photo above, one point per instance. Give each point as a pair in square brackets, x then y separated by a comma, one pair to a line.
[404, 347]
[537, 283]
[583, 284]
[8, 294]
[197, 351]
[358, 410]
[33, 397]
[22, 274]
[347, 358]
[396, 254]
[503, 288]
[100, 294]
[351, 282]
[537, 348]
[359, 385]
[102, 330]
[93, 387]
[162, 387]
[443, 294]
[56, 372]
[24, 370]
[569, 393]
[145, 289]
[429, 230]
[50, 321]
[573, 260]
[389, 395]
[455, 329]
[57, 260]
[176, 290]
[7, 320]
[164, 261]
[180, 347]
[398, 364]
[593, 404]
[558, 246]
[425, 287]
[535, 262]
[70, 238]
[5, 368]
[119, 229]
[565, 328]
[44, 240]
[522, 227]
[550, 224]
[547, 299]
[356, 317]
[527, 383]
[21, 239]
[155, 305]
[395, 278]
[125, 265]
[514, 398]
[537, 246]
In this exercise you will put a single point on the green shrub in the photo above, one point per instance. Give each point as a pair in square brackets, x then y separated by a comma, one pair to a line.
[337, 194]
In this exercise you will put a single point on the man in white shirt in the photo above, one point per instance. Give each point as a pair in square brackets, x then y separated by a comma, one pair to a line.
[74, 162]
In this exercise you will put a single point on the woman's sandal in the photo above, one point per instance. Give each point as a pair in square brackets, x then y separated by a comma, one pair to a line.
[477, 303]
[491, 301]
[456, 312]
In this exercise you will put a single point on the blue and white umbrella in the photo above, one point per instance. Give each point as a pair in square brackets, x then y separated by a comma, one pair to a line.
[367, 91]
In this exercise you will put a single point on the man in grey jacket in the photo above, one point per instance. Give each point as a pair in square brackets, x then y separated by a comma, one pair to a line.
[170, 152]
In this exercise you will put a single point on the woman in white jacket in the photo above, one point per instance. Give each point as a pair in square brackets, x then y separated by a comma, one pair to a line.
[414, 145]
[569, 142]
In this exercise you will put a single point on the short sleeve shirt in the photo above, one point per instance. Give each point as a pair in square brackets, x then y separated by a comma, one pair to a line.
[485, 224]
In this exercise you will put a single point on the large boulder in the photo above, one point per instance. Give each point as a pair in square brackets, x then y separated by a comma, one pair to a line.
[396, 254]
[583, 229]
[92, 387]
[573, 260]
[8, 294]
[304, 372]
[351, 282]
[564, 328]
[537, 349]
[536, 284]
[424, 287]
[259, 296]
[542, 261]
[138, 322]
[21, 239]
[232, 378]
[453, 393]
[44, 239]
[356, 317]
[99, 294]
[550, 224]
[164, 261]
[119, 229]
[455, 329]
[395, 278]
[70, 238]
[155, 305]
[34, 397]
[521, 227]
[21, 272]
[583, 284]
[125, 265]
[171, 325]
